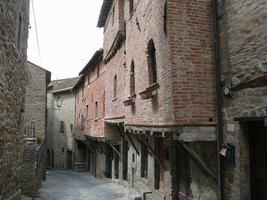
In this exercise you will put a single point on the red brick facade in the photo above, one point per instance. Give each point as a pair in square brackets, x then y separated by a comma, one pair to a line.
[90, 101]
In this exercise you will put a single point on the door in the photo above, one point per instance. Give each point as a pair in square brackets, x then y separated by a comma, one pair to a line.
[69, 160]
[258, 160]
[183, 176]
[159, 172]
[116, 162]
[109, 158]
[125, 160]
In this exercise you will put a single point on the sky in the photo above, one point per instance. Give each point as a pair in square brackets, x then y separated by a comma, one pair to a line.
[67, 34]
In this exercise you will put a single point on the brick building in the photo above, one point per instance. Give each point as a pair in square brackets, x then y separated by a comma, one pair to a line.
[242, 61]
[60, 126]
[160, 96]
[14, 21]
[90, 134]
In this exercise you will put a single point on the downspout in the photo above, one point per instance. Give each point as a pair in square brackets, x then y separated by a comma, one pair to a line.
[219, 100]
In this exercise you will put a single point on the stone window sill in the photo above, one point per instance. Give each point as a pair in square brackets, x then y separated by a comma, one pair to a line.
[149, 92]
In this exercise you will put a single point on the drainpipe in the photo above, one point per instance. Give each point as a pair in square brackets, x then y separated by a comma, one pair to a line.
[219, 100]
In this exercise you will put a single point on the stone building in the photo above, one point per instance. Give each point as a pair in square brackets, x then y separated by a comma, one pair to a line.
[90, 134]
[34, 129]
[35, 115]
[242, 60]
[60, 126]
[14, 22]
[160, 97]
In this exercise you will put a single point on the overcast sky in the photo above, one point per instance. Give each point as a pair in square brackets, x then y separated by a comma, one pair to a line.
[67, 34]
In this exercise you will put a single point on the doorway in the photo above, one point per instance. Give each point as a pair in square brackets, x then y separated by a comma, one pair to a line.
[183, 175]
[109, 158]
[258, 160]
[125, 147]
[159, 172]
[116, 162]
[69, 160]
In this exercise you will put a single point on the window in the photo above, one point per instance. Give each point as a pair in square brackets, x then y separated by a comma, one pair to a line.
[61, 126]
[82, 122]
[113, 15]
[131, 6]
[71, 128]
[87, 110]
[63, 150]
[115, 87]
[165, 17]
[98, 71]
[82, 91]
[88, 79]
[96, 110]
[132, 79]
[152, 64]
[144, 161]
[19, 32]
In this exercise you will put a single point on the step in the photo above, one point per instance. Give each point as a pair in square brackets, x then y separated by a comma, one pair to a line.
[155, 195]
[141, 188]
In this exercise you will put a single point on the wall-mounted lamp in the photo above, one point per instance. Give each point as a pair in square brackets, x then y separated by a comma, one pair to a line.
[227, 91]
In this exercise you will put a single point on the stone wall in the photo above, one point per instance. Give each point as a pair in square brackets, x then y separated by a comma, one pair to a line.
[33, 167]
[242, 32]
[35, 100]
[14, 22]
[61, 120]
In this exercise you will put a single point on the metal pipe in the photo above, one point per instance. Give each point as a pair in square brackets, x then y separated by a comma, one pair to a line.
[219, 100]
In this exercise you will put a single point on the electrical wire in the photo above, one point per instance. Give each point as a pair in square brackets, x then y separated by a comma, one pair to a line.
[36, 33]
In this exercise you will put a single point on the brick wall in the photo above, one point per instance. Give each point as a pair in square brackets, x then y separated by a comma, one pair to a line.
[96, 93]
[144, 24]
[114, 24]
[113, 106]
[193, 76]
[13, 57]
[184, 57]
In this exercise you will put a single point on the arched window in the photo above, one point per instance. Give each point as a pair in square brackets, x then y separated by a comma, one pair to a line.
[165, 17]
[152, 64]
[132, 79]
[115, 87]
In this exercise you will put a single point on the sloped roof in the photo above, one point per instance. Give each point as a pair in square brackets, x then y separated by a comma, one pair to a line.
[62, 85]
[97, 57]
[48, 73]
[106, 6]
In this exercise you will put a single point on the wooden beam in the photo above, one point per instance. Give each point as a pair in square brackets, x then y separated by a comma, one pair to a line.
[152, 152]
[114, 149]
[132, 143]
[196, 159]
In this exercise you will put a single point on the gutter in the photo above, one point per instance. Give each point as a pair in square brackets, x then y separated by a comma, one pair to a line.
[220, 138]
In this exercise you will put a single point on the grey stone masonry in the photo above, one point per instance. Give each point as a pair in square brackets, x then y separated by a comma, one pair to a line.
[14, 23]
[35, 101]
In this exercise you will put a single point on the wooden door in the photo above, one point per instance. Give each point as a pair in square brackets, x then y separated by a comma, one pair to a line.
[69, 160]
[258, 160]
[183, 175]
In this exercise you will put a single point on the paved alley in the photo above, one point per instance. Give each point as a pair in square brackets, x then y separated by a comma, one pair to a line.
[69, 185]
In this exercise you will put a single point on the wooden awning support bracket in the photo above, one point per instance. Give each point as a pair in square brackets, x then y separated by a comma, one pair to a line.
[114, 149]
[132, 142]
[196, 159]
[121, 132]
[151, 151]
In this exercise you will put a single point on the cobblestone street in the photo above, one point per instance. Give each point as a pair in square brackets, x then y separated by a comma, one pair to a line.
[69, 185]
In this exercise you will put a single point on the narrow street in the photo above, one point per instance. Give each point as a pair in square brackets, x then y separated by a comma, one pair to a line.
[69, 185]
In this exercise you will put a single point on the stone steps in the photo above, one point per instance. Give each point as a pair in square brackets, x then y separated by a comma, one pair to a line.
[155, 195]
[80, 166]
